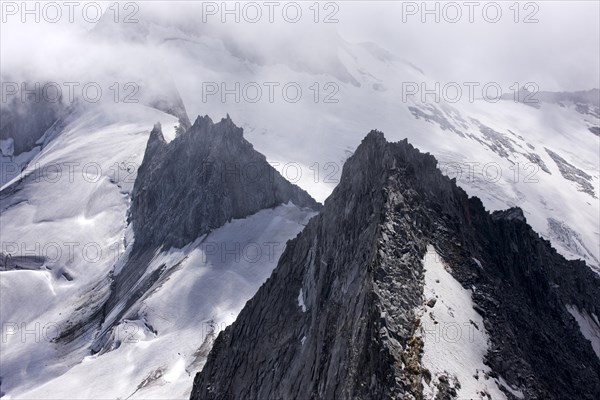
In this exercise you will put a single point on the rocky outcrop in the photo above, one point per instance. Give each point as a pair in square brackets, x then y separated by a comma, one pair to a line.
[573, 174]
[205, 177]
[202, 179]
[337, 317]
[26, 116]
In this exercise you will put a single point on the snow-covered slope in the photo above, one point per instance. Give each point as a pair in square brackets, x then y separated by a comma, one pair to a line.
[65, 234]
[68, 208]
[71, 205]
[165, 339]
[589, 325]
[542, 158]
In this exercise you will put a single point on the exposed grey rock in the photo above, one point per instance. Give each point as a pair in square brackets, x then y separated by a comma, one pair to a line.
[496, 141]
[25, 118]
[336, 318]
[588, 109]
[9, 262]
[432, 114]
[574, 174]
[207, 176]
[536, 159]
[204, 178]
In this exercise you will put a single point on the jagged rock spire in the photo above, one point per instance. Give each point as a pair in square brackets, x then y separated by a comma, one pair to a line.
[202, 179]
[338, 317]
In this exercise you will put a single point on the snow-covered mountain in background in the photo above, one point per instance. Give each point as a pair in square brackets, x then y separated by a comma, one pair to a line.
[538, 151]
[67, 219]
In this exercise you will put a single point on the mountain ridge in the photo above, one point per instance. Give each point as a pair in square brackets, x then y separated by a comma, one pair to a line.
[185, 189]
[353, 329]
[215, 156]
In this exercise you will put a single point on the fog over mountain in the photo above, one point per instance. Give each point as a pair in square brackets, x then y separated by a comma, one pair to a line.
[300, 200]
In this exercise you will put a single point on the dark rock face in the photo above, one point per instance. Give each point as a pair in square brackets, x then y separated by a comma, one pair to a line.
[337, 318]
[207, 176]
[202, 179]
[25, 118]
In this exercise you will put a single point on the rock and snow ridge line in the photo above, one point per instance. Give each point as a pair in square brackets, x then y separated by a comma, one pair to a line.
[193, 171]
[110, 135]
[359, 264]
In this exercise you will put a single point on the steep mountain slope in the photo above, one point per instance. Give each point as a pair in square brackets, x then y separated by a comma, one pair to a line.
[202, 179]
[68, 210]
[346, 312]
[80, 294]
[543, 159]
[502, 151]
[30, 118]
[205, 177]
[96, 303]
[26, 124]
[163, 340]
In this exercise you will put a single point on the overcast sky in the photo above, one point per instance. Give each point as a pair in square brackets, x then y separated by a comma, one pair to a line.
[559, 52]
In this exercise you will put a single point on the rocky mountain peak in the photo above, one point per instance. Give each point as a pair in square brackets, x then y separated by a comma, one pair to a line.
[155, 141]
[514, 213]
[225, 129]
[205, 177]
[344, 313]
